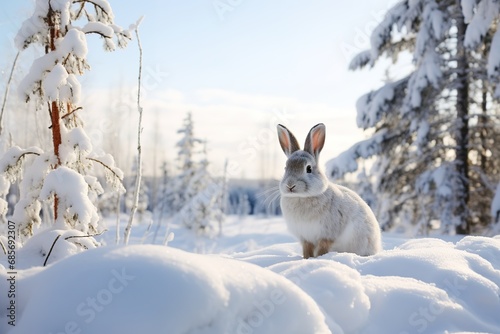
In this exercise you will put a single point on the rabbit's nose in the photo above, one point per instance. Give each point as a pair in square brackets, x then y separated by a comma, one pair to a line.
[290, 187]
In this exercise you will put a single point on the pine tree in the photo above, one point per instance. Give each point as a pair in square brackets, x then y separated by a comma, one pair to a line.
[202, 193]
[423, 123]
[187, 148]
[194, 191]
[61, 174]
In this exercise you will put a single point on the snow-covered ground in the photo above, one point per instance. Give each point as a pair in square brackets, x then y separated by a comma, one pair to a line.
[252, 279]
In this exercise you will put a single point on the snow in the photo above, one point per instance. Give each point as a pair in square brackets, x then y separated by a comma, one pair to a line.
[468, 9]
[39, 67]
[157, 289]
[381, 35]
[250, 278]
[77, 137]
[75, 42]
[12, 157]
[32, 29]
[346, 162]
[98, 27]
[105, 6]
[372, 106]
[254, 280]
[486, 12]
[135, 25]
[71, 189]
[428, 72]
[56, 78]
[422, 132]
[493, 67]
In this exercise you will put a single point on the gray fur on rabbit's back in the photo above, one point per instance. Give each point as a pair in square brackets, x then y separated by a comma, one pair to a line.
[338, 214]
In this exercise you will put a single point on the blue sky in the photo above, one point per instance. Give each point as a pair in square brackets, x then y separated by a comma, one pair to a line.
[237, 70]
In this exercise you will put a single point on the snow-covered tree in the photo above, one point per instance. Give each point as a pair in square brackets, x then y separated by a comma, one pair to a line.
[423, 124]
[365, 188]
[61, 174]
[187, 147]
[244, 207]
[194, 192]
[202, 194]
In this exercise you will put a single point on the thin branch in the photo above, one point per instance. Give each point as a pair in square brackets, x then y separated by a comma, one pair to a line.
[66, 238]
[105, 166]
[3, 247]
[82, 6]
[92, 2]
[7, 90]
[26, 153]
[98, 33]
[139, 149]
[20, 157]
[71, 112]
[85, 236]
[50, 251]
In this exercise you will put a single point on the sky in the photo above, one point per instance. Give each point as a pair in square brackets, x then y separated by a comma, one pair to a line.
[239, 66]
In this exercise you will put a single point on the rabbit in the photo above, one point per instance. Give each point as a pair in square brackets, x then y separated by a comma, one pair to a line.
[322, 215]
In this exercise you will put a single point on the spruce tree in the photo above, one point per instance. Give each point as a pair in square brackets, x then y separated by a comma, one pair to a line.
[424, 125]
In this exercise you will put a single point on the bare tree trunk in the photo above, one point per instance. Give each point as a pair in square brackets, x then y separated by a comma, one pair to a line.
[139, 148]
[462, 131]
[118, 218]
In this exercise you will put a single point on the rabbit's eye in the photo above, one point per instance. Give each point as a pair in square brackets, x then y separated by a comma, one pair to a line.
[309, 169]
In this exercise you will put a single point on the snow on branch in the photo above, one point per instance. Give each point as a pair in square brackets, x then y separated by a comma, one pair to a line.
[102, 7]
[10, 163]
[427, 73]
[494, 62]
[75, 207]
[485, 12]
[347, 162]
[98, 28]
[113, 174]
[382, 35]
[370, 107]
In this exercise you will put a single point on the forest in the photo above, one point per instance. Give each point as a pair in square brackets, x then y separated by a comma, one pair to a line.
[90, 214]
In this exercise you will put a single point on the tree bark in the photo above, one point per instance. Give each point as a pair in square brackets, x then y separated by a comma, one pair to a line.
[54, 106]
[462, 131]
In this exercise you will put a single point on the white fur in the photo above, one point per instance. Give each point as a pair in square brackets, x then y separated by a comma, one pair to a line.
[316, 209]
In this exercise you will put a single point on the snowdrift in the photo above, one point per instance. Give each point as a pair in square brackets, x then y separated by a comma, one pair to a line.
[422, 286]
[414, 286]
[157, 289]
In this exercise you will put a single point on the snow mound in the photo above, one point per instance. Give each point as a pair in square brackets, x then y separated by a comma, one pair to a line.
[421, 286]
[261, 284]
[157, 289]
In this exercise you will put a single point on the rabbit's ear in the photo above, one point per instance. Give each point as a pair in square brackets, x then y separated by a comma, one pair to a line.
[315, 140]
[288, 142]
